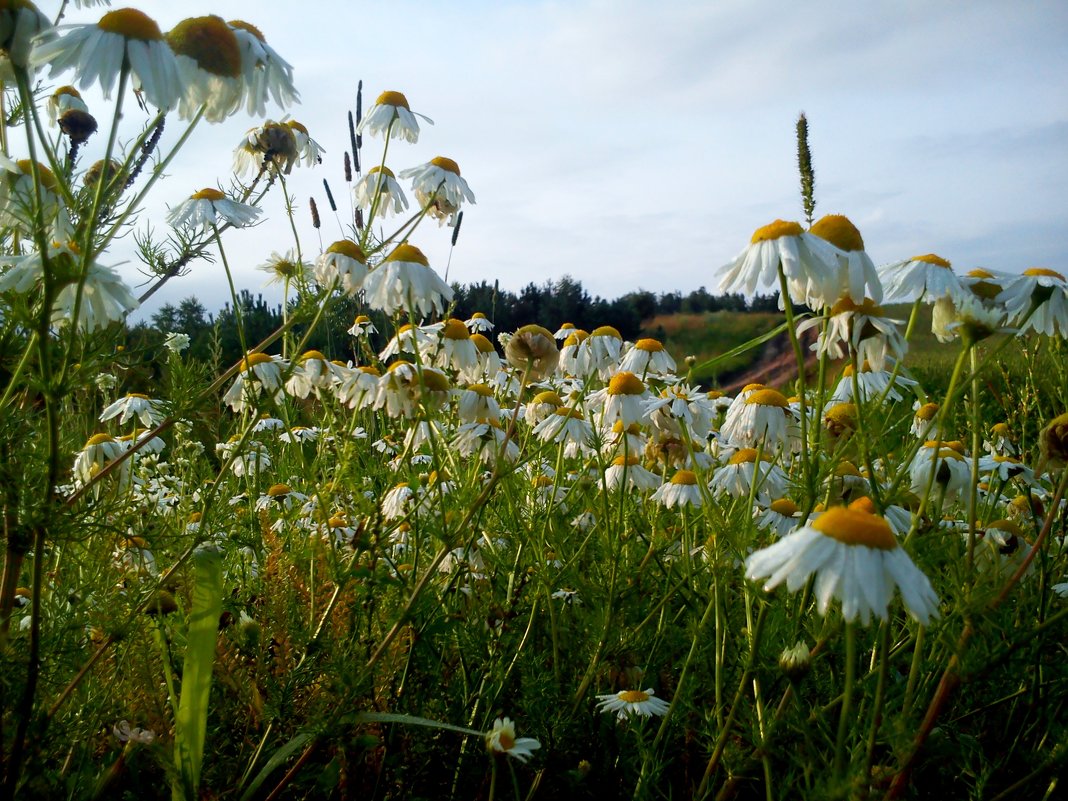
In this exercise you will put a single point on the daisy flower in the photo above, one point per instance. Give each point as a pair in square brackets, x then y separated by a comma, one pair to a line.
[396, 501]
[265, 72]
[380, 182]
[1001, 440]
[763, 419]
[622, 400]
[209, 67]
[648, 356]
[541, 406]
[681, 407]
[271, 147]
[409, 339]
[105, 299]
[176, 342]
[456, 351]
[439, 188]
[929, 277]
[855, 559]
[478, 323]
[638, 703]
[19, 193]
[362, 326]
[392, 118]
[405, 282]
[282, 268]
[532, 349]
[681, 490]
[809, 263]
[567, 426]
[603, 347]
[133, 405]
[924, 421]
[621, 438]
[357, 387]
[122, 39]
[1044, 291]
[863, 328]
[857, 277]
[312, 372]
[501, 739]
[99, 451]
[484, 438]
[736, 478]
[210, 208]
[871, 384]
[564, 331]
[20, 24]
[951, 470]
[65, 98]
[627, 471]
[343, 262]
[476, 402]
[259, 372]
[307, 148]
[782, 517]
[970, 317]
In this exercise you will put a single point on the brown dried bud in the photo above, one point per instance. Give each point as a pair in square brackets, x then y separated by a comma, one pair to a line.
[78, 125]
[1053, 443]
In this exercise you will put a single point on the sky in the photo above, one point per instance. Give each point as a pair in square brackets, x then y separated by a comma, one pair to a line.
[637, 145]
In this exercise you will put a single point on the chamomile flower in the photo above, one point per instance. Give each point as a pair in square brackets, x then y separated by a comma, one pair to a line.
[924, 421]
[312, 372]
[648, 356]
[1044, 291]
[928, 277]
[21, 23]
[135, 404]
[104, 299]
[487, 439]
[633, 703]
[64, 99]
[271, 148]
[405, 282]
[809, 263]
[857, 277]
[259, 373]
[307, 148]
[282, 268]
[209, 67]
[439, 188]
[381, 183]
[210, 208]
[122, 39]
[603, 347]
[951, 471]
[362, 326]
[863, 328]
[501, 739]
[533, 350]
[478, 323]
[391, 118]
[357, 387]
[567, 426]
[782, 516]
[564, 331]
[871, 384]
[396, 501]
[456, 351]
[736, 478]
[764, 420]
[680, 407]
[21, 193]
[541, 406]
[176, 342]
[266, 74]
[627, 471]
[622, 400]
[476, 402]
[681, 490]
[855, 558]
[343, 263]
[623, 439]
[99, 451]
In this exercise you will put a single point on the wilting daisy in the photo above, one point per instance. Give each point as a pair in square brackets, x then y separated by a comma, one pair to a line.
[924, 421]
[1001, 440]
[122, 39]
[736, 478]
[439, 188]
[265, 72]
[99, 451]
[622, 439]
[637, 703]
[950, 470]
[680, 407]
[405, 282]
[104, 299]
[564, 331]
[271, 147]
[573, 354]
[64, 99]
[357, 387]
[501, 739]
[456, 351]
[209, 67]
[763, 419]
[871, 384]
[362, 326]
[379, 182]
[681, 490]
[135, 404]
[541, 406]
[282, 268]
[343, 262]
[603, 347]
[475, 402]
[391, 117]
[857, 278]
[259, 373]
[312, 372]
[567, 426]
[809, 263]
[865, 330]
[532, 349]
[855, 559]
[21, 193]
[782, 516]
[478, 323]
[307, 148]
[1045, 291]
[1001, 547]
[211, 208]
[487, 439]
[627, 471]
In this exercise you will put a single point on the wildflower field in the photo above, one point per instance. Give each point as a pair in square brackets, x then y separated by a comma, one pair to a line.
[449, 561]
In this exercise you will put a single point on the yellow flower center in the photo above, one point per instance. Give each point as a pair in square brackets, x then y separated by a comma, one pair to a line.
[383, 170]
[435, 381]
[752, 388]
[856, 527]
[839, 231]
[980, 273]
[345, 247]
[931, 258]
[1042, 271]
[392, 99]
[776, 230]
[846, 469]
[745, 456]
[136, 395]
[47, 177]
[312, 354]
[209, 42]
[483, 344]
[478, 316]
[649, 345]
[208, 194]
[625, 383]
[927, 411]
[785, 506]
[548, 397]
[409, 253]
[446, 164]
[132, 24]
[195, 517]
[256, 358]
[278, 490]
[844, 414]
[480, 389]
[767, 397]
[1007, 526]
[621, 461]
[99, 439]
[247, 27]
[369, 370]
[606, 331]
[574, 414]
[867, 306]
[633, 696]
[686, 478]
[455, 329]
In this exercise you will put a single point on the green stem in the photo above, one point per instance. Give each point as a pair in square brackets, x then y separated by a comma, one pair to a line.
[847, 700]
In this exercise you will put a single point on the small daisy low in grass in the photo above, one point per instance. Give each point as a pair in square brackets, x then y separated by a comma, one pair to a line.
[633, 703]
[501, 739]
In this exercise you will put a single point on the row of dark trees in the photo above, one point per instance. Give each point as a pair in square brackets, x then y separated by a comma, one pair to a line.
[213, 336]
